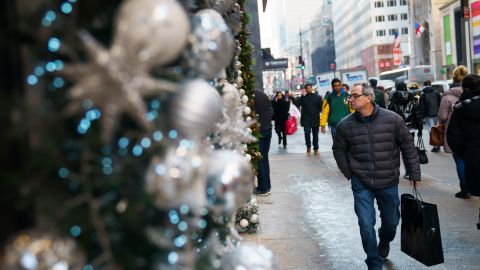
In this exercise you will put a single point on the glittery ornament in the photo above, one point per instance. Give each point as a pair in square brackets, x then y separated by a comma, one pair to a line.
[239, 81]
[238, 65]
[195, 108]
[243, 223]
[176, 178]
[249, 257]
[254, 218]
[35, 250]
[211, 44]
[229, 182]
[221, 6]
[244, 99]
[150, 32]
[247, 110]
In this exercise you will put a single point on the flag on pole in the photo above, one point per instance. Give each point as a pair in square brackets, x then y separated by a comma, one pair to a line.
[397, 40]
[419, 29]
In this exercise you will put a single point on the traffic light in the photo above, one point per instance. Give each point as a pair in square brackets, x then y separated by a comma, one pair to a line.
[300, 61]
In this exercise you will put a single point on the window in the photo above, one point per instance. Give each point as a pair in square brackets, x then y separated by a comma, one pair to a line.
[391, 3]
[392, 17]
[405, 31]
[380, 18]
[403, 2]
[392, 32]
[380, 33]
[379, 4]
[404, 16]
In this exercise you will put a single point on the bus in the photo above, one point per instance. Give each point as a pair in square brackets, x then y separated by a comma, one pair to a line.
[416, 74]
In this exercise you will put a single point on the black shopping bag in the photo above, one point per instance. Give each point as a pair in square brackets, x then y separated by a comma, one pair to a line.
[420, 233]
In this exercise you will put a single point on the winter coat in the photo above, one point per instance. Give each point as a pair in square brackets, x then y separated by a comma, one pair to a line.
[370, 150]
[430, 101]
[445, 110]
[280, 113]
[400, 102]
[263, 107]
[463, 136]
[380, 98]
[311, 107]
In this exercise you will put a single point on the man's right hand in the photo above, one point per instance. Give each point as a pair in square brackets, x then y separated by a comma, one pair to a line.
[323, 130]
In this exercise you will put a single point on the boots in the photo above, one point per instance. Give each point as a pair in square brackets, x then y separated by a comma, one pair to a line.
[463, 193]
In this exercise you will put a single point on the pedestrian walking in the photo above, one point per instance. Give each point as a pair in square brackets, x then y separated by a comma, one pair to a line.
[463, 133]
[280, 114]
[335, 108]
[367, 150]
[379, 95]
[449, 99]
[311, 107]
[345, 89]
[430, 102]
[263, 108]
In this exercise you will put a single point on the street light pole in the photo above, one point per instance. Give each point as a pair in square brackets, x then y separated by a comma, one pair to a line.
[301, 57]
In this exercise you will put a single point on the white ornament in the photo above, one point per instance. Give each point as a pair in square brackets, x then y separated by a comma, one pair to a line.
[244, 99]
[254, 218]
[249, 257]
[247, 110]
[152, 32]
[195, 108]
[243, 223]
[239, 81]
[248, 157]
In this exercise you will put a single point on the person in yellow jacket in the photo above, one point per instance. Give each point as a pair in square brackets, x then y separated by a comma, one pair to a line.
[335, 107]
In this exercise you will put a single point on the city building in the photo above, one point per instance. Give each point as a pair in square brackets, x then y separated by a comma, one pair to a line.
[364, 33]
[321, 35]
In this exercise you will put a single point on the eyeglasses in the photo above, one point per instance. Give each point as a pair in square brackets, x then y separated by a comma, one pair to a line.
[354, 97]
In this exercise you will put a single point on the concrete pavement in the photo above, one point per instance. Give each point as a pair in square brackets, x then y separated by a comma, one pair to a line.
[309, 221]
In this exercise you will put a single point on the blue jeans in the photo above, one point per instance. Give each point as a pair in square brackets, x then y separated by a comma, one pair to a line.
[263, 164]
[333, 129]
[460, 170]
[388, 203]
[314, 131]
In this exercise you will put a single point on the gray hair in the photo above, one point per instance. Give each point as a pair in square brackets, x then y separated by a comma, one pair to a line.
[367, 90]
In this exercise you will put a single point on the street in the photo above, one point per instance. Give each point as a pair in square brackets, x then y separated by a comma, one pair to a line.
[309, 221]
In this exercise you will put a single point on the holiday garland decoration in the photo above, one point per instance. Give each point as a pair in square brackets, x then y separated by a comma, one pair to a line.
[142, 174]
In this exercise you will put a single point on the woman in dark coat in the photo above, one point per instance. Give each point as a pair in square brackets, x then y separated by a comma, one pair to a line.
[280, 114]
[463, 133]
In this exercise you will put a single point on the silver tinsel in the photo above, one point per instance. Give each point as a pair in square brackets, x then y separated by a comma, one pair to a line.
[230, 131]
[249, 257]
[35, 250]
[221, 6]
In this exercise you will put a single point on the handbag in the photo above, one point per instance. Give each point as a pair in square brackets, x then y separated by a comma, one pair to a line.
[437, 135]
[291, 125]
[420, 230]
[422, 153]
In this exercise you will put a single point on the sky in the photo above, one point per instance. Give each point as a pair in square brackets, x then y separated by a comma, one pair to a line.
[299, 13]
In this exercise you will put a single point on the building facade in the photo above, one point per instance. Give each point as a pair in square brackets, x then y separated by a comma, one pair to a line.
[364, 32]
[321, 34]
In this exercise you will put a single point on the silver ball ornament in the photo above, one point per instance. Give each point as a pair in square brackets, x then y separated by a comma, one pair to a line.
[238, 65]
[221, 6]
[237, 8]
[244, 99]
[195, 108]
[229, 182]
[239, 81]
[211, 44]
[243, 223]
[247, 110]
[254, 218]
[141, 25]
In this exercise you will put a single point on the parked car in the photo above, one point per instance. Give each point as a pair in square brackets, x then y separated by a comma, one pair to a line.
[441, 86]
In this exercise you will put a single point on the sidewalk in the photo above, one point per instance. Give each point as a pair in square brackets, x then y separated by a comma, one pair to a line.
[309, 221]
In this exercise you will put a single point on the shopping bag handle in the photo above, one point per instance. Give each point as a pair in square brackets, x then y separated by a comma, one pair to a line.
[416, 193]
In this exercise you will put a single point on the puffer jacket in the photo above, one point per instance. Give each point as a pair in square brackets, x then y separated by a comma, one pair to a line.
[463, 136]
[430, 100]
[446, 108]
[311, 107]
[371, 151]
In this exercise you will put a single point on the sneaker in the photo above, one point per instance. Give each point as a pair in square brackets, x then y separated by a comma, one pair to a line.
[308, 151]
[383, 249]
[462, 195]
[406, 176]
[315, 152]
[279, 145]
[266, 193]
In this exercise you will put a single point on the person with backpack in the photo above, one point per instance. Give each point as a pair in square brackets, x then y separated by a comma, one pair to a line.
[430, 102]
[335, 108]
